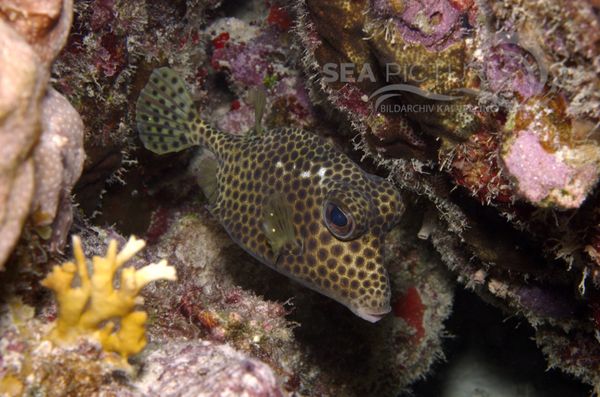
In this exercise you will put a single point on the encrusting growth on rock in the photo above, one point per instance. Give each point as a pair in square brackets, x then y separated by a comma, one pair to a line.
[91, 308]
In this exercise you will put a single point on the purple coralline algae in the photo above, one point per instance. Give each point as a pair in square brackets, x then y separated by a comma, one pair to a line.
[239, 120]
[510, 70]
[434, 24]
[252, 58]
[547, 177]
[249, 62]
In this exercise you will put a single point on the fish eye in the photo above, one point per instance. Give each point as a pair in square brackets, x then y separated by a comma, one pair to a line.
[339, 222]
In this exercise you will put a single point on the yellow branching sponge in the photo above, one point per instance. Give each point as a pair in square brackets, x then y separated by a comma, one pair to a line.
[92, 307]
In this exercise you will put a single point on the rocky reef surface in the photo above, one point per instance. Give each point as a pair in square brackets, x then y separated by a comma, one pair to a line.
[42, 134]
[484, 114]
[491, 111]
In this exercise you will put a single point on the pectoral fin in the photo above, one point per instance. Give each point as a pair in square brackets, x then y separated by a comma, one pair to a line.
[205, 170]
[278, 226]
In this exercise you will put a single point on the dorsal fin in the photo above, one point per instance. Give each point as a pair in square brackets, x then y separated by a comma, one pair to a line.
[258, 98]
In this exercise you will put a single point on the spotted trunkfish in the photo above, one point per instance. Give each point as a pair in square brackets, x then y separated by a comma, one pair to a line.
[286, 196]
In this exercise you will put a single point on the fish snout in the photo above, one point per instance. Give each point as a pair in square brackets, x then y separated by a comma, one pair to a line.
[372, 314]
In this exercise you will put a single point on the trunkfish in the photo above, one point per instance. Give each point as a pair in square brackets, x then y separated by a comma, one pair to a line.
[286, 196]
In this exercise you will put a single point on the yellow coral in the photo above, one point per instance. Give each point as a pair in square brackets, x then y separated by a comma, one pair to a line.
[91, 308]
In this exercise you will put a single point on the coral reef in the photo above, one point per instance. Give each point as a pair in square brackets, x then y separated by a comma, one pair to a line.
[279, 345]
[206, 369]
[32, 364]
[214, 301]
[546, 179]
[91, 308]
[112, 49]
[548, 157]
[483, 114]
[78, 353]
[252, 57]
[110, 53]
[39, 128]
[478, 107]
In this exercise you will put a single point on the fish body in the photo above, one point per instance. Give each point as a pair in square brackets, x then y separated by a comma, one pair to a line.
[287, 197]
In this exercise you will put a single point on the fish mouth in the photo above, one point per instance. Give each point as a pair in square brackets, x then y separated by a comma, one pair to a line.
[371, 316]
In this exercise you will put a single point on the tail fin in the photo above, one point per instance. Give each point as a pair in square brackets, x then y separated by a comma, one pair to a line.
[165, 115]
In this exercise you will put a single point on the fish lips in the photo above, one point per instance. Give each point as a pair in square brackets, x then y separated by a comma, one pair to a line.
[371, 315]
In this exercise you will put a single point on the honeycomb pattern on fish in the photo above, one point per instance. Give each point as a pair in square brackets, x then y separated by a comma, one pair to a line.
[304, 168]
[331, 217]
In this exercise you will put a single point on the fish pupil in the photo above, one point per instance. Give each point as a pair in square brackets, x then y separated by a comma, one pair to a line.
[338, 218]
